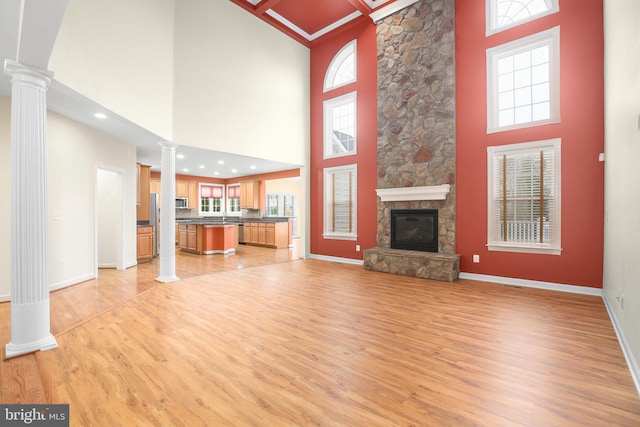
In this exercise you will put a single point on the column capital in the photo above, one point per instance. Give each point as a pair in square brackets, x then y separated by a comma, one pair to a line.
[27, 73]
[168, 144]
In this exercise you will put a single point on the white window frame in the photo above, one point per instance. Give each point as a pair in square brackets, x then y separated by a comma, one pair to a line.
[550, 38]
[492, 16]
[551, 248]
[350, 48]
[228, 201]
[328, 107]
[222, 200]
[328, 231]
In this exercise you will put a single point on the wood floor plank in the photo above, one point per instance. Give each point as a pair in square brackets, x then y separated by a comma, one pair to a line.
[310, 342]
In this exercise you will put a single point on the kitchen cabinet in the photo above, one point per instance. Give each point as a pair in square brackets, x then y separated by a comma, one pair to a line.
[145, 243]
[250, 195]
[188, 190]
[189, 238]
[269, 234]
[142, 206]
[192, 194]
[182, 188]
[156, 187]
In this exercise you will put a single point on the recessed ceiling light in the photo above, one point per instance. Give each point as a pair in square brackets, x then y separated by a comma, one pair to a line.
[100, 115]
[221, 162]
[201, 166]
[216, 173]
[253, 166]
[234, 170]
[185, 170]
[180, 156]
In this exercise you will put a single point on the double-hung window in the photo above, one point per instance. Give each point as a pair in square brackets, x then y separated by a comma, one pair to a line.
[340, 202]
[233, 199]
[211, 199]
[524, 197]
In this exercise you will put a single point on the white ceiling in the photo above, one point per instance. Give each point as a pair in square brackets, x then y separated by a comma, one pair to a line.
[65, 101]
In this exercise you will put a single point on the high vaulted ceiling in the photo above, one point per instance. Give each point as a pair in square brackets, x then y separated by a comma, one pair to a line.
[308, 21]
[28, 30]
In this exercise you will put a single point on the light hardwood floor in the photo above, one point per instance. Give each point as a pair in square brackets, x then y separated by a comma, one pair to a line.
[259, 339]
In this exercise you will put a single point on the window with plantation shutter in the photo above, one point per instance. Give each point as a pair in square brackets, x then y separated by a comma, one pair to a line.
[524, 197]
[340, 202]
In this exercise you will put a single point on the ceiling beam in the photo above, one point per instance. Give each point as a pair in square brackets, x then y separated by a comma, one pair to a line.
[361, 6]
[265, 5]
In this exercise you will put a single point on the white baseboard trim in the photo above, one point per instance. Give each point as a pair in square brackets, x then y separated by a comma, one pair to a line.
[107, 266]
[533, 284]
[336, 259]
[624, 344]
[130, 264]
[59, 285]
[70, 282]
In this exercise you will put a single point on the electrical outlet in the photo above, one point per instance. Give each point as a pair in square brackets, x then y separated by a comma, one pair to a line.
[476, 258]
[357, 248]
[621, 302]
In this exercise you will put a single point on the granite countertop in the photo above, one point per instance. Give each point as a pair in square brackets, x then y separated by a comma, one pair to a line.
[230, 220]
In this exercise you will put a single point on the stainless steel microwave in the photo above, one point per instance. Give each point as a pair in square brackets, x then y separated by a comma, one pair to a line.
[182, 202]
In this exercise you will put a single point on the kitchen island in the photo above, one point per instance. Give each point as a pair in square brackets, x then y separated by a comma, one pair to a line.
[206, 236]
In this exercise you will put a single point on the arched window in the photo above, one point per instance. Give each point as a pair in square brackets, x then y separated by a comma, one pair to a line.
[503, 14]
[342, 69]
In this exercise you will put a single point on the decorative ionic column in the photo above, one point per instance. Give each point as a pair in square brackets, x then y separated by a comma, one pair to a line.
[168, 213]
[30, 309]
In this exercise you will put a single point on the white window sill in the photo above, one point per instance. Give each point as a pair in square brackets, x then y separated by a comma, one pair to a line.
[543, 250]
[340, 236]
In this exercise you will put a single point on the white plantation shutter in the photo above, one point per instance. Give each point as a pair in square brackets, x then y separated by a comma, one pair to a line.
[524, 195]
[340, 202]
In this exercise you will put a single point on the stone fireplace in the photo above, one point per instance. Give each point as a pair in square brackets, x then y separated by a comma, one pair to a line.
[416, 135]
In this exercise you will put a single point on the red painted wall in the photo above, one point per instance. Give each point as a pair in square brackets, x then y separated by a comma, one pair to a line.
[581, 130]
[366, 157]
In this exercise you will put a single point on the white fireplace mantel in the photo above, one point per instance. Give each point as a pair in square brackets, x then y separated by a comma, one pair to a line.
[431, 192]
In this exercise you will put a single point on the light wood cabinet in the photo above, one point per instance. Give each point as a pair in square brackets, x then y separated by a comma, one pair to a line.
[269, 234]
[156, 187]
[145, 243]
[250, 195]
[189, 238]
[192, 194]
[182, 188]
[142, 207]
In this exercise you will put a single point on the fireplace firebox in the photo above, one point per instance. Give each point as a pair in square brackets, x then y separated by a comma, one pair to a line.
[414, 229]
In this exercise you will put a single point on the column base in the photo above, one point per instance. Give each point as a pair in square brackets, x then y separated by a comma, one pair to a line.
[13, 350]
[166, 279]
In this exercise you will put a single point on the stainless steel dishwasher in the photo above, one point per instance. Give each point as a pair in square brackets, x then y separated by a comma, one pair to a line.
[241, 233]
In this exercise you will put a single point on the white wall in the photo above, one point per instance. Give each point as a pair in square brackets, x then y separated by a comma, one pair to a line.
[622, 174]
[5, 194]
[75, 152]
[119, 53]
[109, 214]
[241, 86]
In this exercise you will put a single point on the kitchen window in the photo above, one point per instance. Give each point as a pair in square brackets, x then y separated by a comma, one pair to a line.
[233, 199]
[211, 199]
